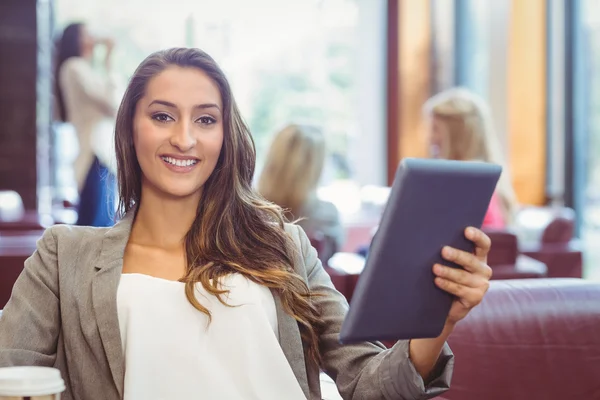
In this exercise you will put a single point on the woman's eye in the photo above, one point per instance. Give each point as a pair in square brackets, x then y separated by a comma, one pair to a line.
[161, 117]
[206, 120]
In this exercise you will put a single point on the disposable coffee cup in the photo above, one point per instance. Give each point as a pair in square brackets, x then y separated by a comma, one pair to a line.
[30, 383]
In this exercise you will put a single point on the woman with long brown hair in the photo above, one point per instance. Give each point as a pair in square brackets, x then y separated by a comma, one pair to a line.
[202, 290]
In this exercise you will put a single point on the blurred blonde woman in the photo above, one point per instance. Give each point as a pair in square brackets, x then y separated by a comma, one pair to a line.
[290, 178]
[461, 129]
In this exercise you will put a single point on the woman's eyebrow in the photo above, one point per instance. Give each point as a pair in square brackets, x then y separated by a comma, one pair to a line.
[172, 105]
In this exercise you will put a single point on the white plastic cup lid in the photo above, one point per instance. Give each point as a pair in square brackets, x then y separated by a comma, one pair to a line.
[30, 381]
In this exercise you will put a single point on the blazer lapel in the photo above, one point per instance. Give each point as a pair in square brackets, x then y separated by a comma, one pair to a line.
[291, 344]
[105, 283]
[109, 267]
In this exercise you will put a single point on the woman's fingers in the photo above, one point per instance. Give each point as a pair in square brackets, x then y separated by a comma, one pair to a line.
[470, 262]
[469, 283]
[482, 242]
[469, 297]
[459, 276]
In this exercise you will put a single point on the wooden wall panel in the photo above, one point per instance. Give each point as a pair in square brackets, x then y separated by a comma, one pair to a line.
[18, 76]
[393, 89]
[527, 99]
[409, 78]
[25, 98]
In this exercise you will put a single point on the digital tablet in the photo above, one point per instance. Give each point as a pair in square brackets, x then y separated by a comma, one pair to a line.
[430, 205]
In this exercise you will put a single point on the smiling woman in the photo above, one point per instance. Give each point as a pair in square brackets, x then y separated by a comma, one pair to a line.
[179, 109]
[203, 288]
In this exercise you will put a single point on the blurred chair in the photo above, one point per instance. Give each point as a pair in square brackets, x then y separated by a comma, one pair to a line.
[562, 227]
[529, 339]
[507, 263]
[556, 247]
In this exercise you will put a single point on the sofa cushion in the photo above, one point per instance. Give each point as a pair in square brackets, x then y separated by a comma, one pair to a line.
[530, 339]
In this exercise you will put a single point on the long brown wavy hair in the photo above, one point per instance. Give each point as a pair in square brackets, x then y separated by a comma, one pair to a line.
[235, 230]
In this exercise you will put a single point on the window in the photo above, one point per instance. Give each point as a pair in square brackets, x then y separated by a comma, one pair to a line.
[443, 43]
[470, 41]
[286, 60]
[583, 133]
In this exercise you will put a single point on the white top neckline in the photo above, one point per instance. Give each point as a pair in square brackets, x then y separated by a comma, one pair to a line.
[172, 352]
[151, 277]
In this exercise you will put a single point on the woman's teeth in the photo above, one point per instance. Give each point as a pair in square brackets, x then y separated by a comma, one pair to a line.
[179, 163]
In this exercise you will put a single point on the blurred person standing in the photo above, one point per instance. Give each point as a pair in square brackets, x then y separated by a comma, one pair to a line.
[290, 178]
[461, 129]
[86, 99]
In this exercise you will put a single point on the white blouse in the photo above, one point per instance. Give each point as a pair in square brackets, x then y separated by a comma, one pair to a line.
[173, 352]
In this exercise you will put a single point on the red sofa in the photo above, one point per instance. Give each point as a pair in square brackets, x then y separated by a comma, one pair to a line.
[530, 339]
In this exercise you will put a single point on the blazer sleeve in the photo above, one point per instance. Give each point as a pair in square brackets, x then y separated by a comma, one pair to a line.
[30, 322]
[366, 370]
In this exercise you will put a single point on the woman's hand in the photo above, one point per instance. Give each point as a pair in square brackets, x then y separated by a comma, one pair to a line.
[470, 284]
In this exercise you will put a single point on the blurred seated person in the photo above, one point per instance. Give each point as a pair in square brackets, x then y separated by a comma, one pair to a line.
[290, 178]
[460, 128]
[85, 99]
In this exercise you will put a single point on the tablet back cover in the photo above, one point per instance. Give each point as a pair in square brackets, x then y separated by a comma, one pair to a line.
[430, 205]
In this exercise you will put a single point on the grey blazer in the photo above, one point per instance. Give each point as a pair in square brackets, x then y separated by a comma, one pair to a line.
[63, 313]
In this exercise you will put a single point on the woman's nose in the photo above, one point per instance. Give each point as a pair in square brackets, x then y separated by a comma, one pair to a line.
[183, 137]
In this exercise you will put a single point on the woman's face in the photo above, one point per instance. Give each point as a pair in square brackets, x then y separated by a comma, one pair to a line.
[178, 131]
